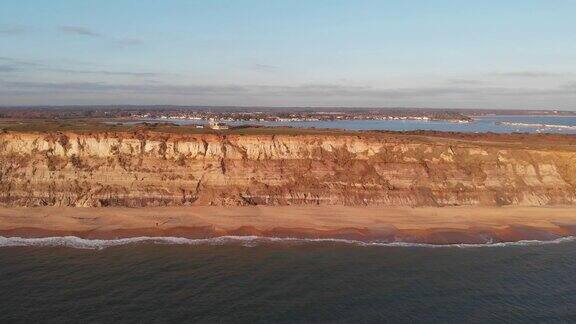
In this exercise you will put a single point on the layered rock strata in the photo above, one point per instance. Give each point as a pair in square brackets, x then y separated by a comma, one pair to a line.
[163, 169]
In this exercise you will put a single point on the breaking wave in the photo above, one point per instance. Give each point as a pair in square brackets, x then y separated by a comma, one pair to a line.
[248, 241]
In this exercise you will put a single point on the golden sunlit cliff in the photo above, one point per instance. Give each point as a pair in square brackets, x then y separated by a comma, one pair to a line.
[164, 169]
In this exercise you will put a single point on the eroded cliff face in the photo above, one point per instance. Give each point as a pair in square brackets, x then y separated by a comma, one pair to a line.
[155, 169]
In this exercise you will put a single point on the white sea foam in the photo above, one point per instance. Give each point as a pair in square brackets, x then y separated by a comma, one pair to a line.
[531, 125]
[248, 241]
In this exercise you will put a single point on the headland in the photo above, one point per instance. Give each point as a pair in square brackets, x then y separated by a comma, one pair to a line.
[92, 179]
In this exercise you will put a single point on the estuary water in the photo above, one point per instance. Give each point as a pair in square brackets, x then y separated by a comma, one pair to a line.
[494, 124]
[288, 282]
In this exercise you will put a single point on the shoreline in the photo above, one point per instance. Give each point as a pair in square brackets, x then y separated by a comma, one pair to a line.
[423, 225]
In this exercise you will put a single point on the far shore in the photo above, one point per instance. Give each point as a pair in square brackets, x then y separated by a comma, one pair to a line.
[446, 225]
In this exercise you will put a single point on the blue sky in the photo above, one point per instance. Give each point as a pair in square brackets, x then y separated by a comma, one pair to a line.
[469, 54]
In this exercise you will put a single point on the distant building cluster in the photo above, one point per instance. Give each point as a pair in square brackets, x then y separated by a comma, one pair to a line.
[217, 126]
[300, 116]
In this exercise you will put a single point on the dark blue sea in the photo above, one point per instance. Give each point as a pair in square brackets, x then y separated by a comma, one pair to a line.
[287, 282]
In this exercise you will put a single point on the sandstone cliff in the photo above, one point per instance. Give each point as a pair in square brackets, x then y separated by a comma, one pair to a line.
[159, 169]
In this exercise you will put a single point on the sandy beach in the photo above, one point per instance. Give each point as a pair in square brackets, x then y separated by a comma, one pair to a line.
[446, 225]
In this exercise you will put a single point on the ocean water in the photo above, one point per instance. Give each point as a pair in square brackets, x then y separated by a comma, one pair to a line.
[261, 281]
[495, 124]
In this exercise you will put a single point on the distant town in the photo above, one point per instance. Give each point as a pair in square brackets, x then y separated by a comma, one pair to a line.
[298, 116]
[219, 115]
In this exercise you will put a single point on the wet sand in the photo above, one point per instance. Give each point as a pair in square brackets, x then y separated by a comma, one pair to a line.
[445, 225]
